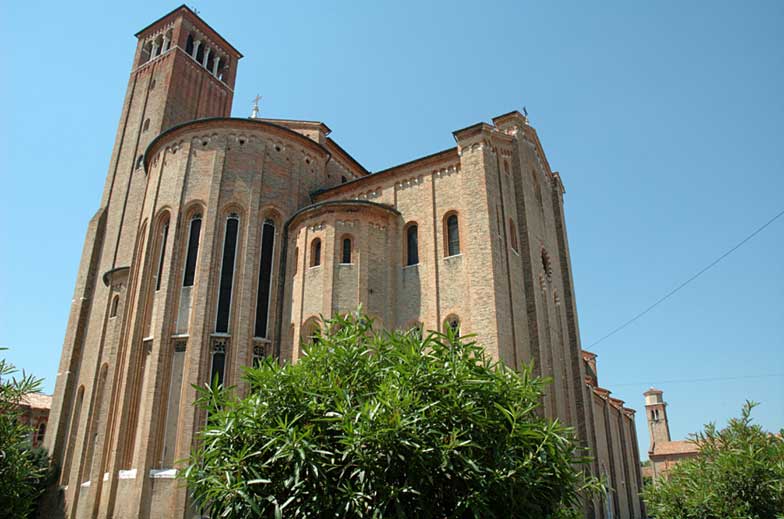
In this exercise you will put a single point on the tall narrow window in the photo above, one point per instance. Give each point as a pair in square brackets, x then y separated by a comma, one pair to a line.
[189, 275]
[315, 253]
[193, 252]
[162, 256]
[346, 252]
[452, 236]
[265, 275]
[513, 235]
[218, 361]
[412, 245]
[115, 304]
[227, 273]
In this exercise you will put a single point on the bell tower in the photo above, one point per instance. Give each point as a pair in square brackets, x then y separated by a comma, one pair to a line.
[182, 70]
[656, 413]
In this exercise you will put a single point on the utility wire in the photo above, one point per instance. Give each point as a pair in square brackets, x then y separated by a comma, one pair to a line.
[709, 379]
[695, 276]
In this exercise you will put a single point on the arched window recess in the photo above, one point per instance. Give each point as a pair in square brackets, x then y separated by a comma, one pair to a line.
[451, 234]
[411, 244]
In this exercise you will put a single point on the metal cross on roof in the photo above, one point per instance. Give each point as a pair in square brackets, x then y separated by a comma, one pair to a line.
[254, 114]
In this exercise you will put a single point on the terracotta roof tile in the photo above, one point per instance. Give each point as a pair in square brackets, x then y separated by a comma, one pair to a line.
[675, 447]
[37, 401]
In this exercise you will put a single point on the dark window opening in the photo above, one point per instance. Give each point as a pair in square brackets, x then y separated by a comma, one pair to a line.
[315, 253]
[346, 256]
[218, 363]
[200, 53]
[454, 324]
[412, 245]
[139, 161]
[41, 433]
[146, 125]
[227, 274]
[192, 253]
[453, 235]
[548, 270]
[265, 275]
[343, 179]
[162, 258]
[189, 45]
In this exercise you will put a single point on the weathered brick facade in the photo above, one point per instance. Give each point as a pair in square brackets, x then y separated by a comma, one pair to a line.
[219, 240]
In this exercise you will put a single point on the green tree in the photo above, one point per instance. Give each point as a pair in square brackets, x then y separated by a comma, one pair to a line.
[377, 424]
[23, 471]
[737, 474]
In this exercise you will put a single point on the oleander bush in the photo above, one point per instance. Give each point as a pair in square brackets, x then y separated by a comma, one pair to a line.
[737, 474]
[24, 471]
[385, 424]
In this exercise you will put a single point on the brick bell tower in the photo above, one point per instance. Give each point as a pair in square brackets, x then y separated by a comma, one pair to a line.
[182, 70]
[656, 414]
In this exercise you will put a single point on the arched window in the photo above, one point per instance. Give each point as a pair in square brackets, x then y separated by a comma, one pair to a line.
[162, 254]
[227, 273]
[315, 253]
[189, 45]
[513, 235]
[193, 251]
[139, 161]
[345, 256]
[412, 244]
[452, 233]
[265, 278]
[115, 304]
[343, 179]
[310, 331]
[146, 125]
[200, 53]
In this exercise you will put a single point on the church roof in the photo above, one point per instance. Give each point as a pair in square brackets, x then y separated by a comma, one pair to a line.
[675, 447]
[36, 401]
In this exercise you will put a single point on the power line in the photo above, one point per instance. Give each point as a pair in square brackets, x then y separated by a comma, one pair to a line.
[709, 379]
[695, 276]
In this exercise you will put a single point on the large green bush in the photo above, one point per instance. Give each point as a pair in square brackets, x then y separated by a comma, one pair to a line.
[738, 474]
[382, 424]
[23, 470]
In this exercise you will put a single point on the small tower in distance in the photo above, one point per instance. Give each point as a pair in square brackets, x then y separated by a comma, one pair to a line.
[656, 413]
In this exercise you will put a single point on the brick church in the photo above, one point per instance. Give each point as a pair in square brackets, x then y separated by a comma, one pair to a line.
[220, 240]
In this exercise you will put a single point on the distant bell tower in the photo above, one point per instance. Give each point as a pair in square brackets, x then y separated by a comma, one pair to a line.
[656, 413]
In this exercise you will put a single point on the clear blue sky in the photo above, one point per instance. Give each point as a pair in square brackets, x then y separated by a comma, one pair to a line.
[664, 119]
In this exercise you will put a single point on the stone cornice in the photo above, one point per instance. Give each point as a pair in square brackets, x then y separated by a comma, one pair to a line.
[339, 205]
[228, 123]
